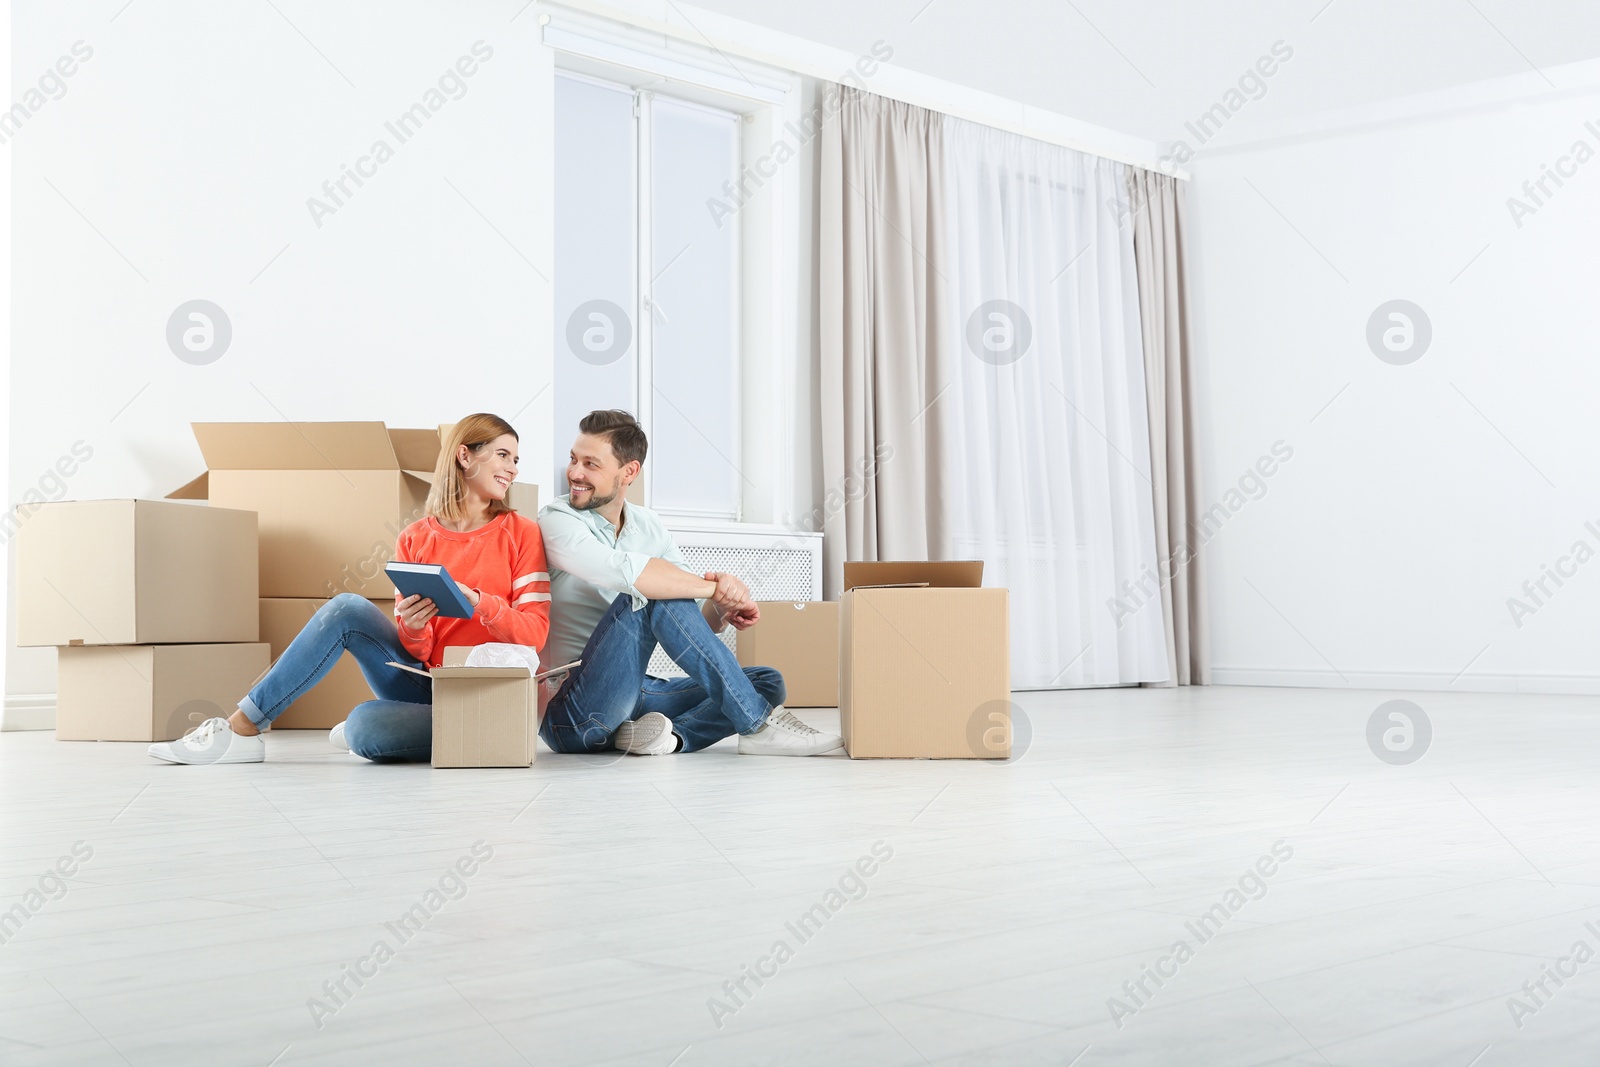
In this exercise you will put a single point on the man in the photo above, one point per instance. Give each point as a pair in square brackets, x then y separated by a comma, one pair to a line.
[617, 589]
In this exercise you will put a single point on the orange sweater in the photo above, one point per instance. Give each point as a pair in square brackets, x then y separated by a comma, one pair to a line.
[504, 562]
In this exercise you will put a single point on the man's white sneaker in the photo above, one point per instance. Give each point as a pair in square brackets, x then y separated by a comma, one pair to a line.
[784, 735]
[213, 741]
[336, 738]
[648, 735]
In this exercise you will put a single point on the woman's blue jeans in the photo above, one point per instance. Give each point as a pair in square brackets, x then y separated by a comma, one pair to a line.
[718, 698]
[396, 727]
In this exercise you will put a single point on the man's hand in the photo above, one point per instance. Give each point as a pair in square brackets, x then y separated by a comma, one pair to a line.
[470, 593]
[745, 617]
[415, 612]
[731, 594]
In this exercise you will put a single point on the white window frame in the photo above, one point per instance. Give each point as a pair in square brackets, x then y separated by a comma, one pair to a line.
[767, 236]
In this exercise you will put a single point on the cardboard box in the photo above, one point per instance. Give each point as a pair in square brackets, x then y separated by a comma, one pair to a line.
[483, 716]
[329, 702]
[801, 640]
[332, 496]
[134, 572]
[150, 692]
[924, 662]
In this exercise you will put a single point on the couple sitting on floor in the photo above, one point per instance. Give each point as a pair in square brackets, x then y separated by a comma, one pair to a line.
[595, 578]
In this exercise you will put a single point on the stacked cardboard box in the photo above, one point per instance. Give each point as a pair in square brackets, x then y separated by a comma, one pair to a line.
[332, 498]
[328, 703]
[152, 607]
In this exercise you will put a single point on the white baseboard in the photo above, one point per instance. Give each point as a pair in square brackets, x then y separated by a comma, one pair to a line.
[37, 711]
[1414, 681]
[29, 711]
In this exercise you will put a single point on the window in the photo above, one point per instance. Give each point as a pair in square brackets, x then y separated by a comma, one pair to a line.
[647, 287]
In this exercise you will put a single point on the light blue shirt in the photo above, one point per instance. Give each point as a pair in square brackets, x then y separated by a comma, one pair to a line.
[590, 566]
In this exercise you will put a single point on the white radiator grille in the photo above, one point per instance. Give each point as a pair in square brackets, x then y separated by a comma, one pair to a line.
[775, 563]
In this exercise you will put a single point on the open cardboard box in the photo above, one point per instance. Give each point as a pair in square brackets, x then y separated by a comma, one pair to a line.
[135, 572]
[332, 497]
[484, 716]
[924, 662]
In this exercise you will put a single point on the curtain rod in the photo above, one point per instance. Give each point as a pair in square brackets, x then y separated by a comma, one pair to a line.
[830, 69]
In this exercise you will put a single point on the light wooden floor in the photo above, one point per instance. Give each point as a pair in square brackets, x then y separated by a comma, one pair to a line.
[620, 896]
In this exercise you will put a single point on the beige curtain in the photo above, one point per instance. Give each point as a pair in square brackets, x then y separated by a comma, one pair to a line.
[1156, 206]
[883, 357]
[894, 381]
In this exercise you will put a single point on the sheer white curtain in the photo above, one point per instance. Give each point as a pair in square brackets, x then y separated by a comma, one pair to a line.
[1042, 444]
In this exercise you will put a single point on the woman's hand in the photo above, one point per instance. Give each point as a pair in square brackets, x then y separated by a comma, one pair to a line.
[415, 612]
[470, 593]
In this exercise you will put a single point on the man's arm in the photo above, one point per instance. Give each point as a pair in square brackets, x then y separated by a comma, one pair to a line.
[728, 595]
[660, 580]
[572, 548]
[663, 580]
[723, 595]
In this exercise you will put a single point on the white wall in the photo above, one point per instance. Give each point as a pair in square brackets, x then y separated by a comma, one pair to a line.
[5, 310]
[1417, 502]
[214, 160]
[177, 165]
[191, 141]
[1390, 541]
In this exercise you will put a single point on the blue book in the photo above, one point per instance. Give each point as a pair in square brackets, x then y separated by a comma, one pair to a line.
[432, 581]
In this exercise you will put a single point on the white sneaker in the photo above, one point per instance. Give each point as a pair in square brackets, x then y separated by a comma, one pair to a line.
[648, 735]
[336, 738]
[784, 735]
[213, 741]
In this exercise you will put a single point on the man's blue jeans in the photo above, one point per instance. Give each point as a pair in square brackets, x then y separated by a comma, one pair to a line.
[718, 698]
[398, 726]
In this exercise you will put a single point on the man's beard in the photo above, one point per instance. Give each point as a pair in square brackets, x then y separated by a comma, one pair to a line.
[595, 499]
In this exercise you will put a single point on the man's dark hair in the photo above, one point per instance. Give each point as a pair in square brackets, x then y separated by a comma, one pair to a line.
[621, 430]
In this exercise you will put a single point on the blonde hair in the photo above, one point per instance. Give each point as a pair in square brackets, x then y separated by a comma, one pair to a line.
[448, 497]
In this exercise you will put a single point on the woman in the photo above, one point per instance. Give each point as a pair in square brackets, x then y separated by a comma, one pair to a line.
[494, 554]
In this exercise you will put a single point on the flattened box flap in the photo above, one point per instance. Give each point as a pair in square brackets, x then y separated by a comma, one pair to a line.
[938, 574]
[288, 446]
[416, 450]
[194, 489]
